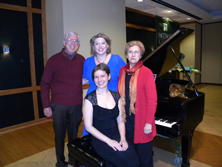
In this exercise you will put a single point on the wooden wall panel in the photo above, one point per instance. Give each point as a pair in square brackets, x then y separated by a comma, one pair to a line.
[10, 5]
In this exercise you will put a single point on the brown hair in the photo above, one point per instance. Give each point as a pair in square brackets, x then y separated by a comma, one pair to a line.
[100, 35]
[102, 67]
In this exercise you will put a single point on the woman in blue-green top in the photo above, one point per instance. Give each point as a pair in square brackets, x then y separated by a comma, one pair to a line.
[101, 51]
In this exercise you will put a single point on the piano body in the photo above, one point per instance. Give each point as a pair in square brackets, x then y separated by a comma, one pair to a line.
[176, 118]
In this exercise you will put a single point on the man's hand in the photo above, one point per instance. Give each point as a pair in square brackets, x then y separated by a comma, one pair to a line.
[48, 112]
[84, 81]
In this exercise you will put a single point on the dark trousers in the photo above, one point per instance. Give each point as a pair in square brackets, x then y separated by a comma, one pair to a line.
[144, 150]
[145, 153]
[65, 119]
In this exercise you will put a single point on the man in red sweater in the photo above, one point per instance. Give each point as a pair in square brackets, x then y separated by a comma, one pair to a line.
[61, 92]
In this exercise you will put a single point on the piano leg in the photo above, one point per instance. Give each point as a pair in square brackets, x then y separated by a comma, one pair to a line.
[186, 142]
[178, 150]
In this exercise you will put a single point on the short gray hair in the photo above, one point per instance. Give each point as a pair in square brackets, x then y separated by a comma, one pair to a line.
[70, 33]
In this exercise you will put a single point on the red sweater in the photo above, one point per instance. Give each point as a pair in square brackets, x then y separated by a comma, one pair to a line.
[64, 78]
[145, 106]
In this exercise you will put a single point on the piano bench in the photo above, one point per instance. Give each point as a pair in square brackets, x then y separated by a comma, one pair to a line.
[81, 152]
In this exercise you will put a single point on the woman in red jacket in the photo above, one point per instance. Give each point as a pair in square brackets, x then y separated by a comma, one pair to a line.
[139, 98]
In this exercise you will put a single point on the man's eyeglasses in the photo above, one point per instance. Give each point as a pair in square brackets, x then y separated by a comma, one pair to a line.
[72, 40]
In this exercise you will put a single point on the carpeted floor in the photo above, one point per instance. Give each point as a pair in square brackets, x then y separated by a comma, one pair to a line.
[211, 124]
[47, 158]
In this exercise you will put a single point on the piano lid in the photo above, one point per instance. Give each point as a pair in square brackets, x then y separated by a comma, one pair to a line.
[162, 59]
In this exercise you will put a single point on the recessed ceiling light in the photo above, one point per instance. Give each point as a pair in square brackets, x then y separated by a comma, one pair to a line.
[139, 0]
[189, 18]
[177, 9]
[169, 11]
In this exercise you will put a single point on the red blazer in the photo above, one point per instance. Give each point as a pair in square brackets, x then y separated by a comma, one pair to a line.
[145, 106]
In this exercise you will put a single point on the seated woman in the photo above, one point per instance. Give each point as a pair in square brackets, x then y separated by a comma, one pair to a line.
[103, 120]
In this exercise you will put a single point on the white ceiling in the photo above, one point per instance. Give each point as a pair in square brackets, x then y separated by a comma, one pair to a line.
[209, 10]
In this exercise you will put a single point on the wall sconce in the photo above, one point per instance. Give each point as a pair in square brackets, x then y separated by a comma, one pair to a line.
[6, 50]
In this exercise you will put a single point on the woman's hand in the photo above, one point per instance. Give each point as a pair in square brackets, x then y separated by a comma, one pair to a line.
[124, 144]
[147, 128]
[115, 145]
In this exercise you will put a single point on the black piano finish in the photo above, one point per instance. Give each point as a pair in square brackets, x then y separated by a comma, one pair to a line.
[187, 112]
[162, 59]
[184, 111]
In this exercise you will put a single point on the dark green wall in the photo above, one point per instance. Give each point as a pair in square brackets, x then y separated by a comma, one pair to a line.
[150, 39]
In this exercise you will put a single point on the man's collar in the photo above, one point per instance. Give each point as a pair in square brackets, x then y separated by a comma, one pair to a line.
[68, 56]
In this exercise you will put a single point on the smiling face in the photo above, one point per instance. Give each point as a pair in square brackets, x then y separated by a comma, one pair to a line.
[133, 55]
[71, 44]
[101, 78]
[100, 46]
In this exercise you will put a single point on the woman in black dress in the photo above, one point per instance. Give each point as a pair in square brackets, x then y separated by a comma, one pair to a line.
[103, 120]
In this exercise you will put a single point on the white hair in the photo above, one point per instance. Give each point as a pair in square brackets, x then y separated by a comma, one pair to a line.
[70, 33]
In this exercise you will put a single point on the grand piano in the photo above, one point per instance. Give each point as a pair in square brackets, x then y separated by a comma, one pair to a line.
[176, 117]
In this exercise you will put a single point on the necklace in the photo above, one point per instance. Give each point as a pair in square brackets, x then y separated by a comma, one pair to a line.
[100, 61]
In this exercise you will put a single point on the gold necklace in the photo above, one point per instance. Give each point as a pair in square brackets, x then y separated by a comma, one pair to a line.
[100, 61]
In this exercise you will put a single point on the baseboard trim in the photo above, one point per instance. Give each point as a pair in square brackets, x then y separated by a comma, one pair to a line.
[24, 125]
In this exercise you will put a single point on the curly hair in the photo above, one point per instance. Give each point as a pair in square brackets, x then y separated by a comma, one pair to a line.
[100, 35]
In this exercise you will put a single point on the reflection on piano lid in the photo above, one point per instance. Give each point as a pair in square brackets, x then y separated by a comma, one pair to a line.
[154, 75]
[162, 59]
[167, 55]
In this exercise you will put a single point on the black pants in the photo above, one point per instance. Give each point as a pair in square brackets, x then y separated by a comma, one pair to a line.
[145, 153]
[65, 119]
[144, 150]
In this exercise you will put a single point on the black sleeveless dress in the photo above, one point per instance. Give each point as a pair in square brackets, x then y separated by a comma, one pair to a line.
[105, 121]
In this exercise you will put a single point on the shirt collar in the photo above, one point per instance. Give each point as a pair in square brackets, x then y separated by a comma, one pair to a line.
[68, 56]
